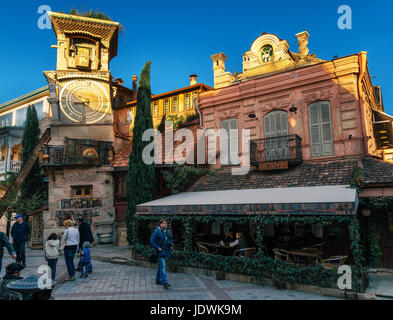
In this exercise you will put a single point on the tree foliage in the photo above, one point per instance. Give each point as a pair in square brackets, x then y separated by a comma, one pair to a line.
[140, 177]
[33, 187]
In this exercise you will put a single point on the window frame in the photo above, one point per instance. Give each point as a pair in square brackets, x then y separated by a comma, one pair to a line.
[83, 193]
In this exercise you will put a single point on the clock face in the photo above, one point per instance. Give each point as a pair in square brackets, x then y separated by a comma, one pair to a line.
[267, 53]
[84, 101]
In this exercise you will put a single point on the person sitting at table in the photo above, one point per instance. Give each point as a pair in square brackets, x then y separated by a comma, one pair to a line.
[224, 248]
[240, 242]
[229, 238]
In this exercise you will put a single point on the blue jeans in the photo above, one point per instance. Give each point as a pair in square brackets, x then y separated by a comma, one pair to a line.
[69, 254]
[52, 264]
[1, 261]
[161, 272]
[20, 252]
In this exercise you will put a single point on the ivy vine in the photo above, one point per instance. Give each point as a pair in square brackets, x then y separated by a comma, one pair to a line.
[260, 266]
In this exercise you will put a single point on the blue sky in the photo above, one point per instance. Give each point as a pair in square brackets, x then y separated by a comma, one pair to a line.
[179, 37]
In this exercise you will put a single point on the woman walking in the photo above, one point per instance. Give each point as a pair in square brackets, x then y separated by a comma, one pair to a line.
[70, 242]
[52, 253]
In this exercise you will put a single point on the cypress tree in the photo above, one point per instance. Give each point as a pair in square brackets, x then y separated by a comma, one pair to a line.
[33, 184]
[140, 177]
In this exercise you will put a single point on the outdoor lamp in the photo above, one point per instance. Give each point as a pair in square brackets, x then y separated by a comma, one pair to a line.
[366, 212]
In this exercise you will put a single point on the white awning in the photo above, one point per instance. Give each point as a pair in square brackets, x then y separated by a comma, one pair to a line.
[298, 200]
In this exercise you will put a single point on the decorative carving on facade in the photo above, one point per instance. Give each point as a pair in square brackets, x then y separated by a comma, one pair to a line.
[79, 203]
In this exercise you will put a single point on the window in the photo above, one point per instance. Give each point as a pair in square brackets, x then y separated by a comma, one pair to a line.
[187, 104]
[21, 117]
[320, 122]
[39, 107]
[129, 115]
[82, 191]
[175, 104]
[6, 121]
[166, 106]
[155, 109]
[275, 124]
[231, 141]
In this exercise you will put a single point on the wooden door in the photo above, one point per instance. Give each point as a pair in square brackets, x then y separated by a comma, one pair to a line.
[387, 240]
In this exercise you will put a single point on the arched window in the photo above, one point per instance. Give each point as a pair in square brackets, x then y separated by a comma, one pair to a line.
[275, 125]
[321, 135]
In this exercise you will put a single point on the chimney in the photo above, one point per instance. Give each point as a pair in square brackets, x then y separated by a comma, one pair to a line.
[135, 84]
[302, 40]
[193, 79]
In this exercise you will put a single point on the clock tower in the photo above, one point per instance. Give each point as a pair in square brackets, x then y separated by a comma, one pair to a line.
[78, 159]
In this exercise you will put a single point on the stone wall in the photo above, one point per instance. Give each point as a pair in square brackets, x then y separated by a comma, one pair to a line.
[98, 209]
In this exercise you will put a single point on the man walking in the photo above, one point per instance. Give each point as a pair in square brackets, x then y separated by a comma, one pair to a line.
[20, 232]
[85, 235]
[162, 242]
[5, 243]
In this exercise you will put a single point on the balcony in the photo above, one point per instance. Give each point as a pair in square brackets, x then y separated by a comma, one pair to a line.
[77, 152]
[13, 166]
[276, 153]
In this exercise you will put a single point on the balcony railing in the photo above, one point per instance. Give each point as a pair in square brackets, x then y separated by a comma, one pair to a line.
[63, 155]
[13, 166]
[284, 148]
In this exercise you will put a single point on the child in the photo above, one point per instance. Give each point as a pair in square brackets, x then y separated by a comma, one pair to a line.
[52, 252]
[85, 258]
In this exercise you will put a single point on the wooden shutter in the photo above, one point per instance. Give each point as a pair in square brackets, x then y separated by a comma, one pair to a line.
[320, 122]
[231, 140]
[224, 156]
[233, 136]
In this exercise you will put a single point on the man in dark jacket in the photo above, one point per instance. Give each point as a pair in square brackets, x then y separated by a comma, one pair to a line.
[85, 235]
[20, 233]
[5, 243]
[161, 241]
[12, 274]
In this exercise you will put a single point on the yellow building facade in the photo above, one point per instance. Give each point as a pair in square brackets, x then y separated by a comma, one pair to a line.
[175, 105]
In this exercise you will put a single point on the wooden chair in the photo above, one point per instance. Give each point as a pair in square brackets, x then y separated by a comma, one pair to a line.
[280, 254]
[203, 249]
[246, 252]
[334, 262]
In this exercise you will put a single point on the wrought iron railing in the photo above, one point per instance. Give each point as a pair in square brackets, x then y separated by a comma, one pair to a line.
[284, 148]
[60, 155]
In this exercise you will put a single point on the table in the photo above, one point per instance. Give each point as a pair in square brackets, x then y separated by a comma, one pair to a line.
[309, 254]
[224, 250]
[217, 245]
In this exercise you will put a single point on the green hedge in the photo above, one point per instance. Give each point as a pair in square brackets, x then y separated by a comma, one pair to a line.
[260, 266]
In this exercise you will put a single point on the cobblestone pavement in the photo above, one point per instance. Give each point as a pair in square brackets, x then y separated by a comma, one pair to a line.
[122, 282]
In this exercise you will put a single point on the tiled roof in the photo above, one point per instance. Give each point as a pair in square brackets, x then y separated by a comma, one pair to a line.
[377, 171]
[304, 175]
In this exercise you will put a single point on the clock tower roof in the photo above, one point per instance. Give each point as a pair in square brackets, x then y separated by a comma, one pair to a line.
[105, 31]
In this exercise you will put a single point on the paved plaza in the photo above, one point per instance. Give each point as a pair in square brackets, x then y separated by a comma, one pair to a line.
[111, 281]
